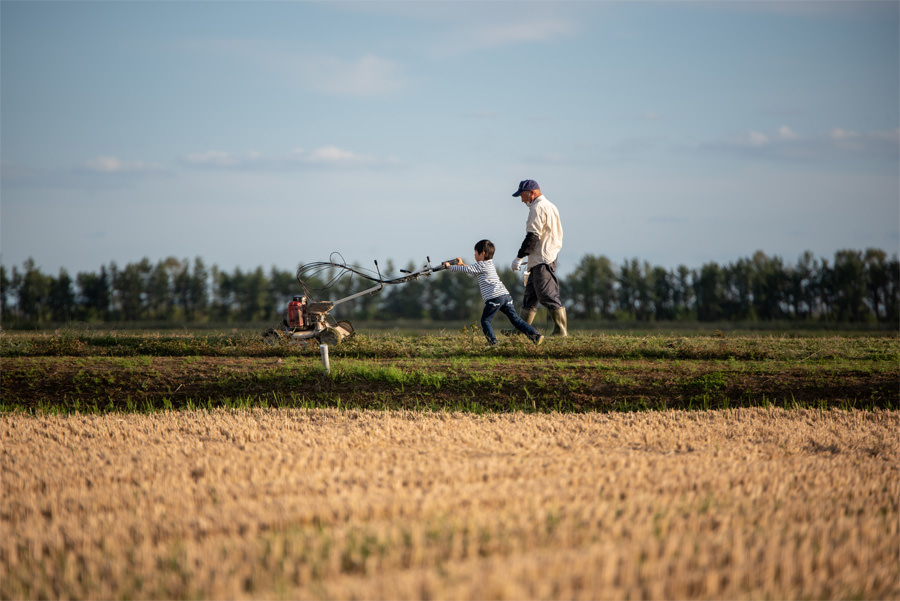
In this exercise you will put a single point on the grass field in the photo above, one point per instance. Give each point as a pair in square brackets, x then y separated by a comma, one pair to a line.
[127, 371]
[605, 466]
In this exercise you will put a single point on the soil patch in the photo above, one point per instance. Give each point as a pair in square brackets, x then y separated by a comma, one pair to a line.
[110, 383]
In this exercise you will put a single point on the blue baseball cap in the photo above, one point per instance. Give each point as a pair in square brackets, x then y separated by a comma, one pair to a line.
[526, 184]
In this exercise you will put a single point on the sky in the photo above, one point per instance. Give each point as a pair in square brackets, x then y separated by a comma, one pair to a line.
[270, 134]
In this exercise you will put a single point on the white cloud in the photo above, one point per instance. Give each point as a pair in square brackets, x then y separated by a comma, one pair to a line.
[332, 155]
[215, 158]
[757, 139]
[785, 143]
[519, 33]
[839, 135]
[786, 133]
[112, 164]
[750, 139]
[499, 35]
[367, 75]
[323, 156]
[846, 140]
[891, 135]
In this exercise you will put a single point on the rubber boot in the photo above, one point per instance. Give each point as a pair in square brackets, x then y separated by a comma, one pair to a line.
[527, 315]
[559, 322]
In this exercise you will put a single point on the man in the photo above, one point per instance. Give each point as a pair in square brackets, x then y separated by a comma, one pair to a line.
[543, 241]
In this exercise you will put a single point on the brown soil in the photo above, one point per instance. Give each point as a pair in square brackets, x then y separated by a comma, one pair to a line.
[579, 385]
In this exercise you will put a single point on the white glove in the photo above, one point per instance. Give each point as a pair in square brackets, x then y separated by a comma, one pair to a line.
[517, 262]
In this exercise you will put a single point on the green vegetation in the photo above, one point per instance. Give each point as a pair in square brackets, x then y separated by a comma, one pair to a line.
[83, 371]
[463, 342]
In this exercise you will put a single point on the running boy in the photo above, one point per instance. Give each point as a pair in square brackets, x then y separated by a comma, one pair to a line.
[496, 296]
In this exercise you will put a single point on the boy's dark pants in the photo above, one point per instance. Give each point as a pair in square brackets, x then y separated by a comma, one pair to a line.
[504, 304]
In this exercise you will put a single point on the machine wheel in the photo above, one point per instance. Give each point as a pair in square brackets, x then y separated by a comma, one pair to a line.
[348, 329]
[331, 336]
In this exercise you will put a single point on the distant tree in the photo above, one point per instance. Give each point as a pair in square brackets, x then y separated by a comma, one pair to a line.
[802, 290]
[61, 298]
[859, 286]
[825, 292]
[199, 290]
[130, 285]
[892, 309]
[645, 287]
[627, 290]
[221, 295]
[850, 286]
[160, 290]
[737, 302]
[251, 292]
[93, 297]
[592, 287]
[191, 290]
[683, 295]
[5, 294]
[709, 290]
[769, 286]
[664, 294]
[33, 290]
[635, 289]
[878, 282]
[242, 296]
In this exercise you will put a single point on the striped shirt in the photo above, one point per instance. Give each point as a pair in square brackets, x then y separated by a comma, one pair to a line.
[488, 281]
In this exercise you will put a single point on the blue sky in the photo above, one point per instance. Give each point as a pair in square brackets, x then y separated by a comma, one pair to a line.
[273, 133]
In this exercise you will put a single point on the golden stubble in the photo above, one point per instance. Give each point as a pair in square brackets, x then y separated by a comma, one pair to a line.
[304, 504]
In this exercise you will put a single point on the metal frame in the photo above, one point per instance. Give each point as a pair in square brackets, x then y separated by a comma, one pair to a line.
[317, 311]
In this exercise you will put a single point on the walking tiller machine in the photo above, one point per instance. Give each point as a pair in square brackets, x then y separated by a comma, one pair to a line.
[307, 319]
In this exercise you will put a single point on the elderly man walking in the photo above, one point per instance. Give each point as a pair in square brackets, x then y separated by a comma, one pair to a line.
[543, 241]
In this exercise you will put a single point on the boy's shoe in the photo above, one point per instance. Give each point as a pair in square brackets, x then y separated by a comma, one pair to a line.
[538, 339]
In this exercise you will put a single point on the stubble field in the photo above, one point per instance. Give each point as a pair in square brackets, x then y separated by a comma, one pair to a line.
[601, 467]
[322, 503]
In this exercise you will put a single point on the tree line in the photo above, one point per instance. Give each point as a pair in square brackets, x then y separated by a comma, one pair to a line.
[855, 287]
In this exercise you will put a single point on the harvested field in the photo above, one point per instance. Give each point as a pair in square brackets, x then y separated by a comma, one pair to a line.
[307, 504]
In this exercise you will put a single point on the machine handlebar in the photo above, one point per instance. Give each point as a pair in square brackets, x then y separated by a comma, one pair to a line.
[441, 264]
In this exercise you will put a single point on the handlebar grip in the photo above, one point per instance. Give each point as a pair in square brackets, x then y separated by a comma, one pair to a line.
[441, 264]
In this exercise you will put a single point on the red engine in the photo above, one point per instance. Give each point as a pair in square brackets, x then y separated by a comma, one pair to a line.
[296, 313]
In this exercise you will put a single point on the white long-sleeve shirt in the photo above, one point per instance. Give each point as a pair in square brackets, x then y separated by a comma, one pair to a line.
[488, 281]
[543, 221]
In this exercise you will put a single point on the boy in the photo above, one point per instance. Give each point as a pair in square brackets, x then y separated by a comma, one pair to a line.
[496, 296]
